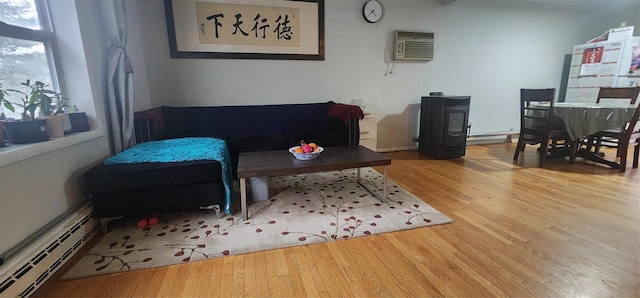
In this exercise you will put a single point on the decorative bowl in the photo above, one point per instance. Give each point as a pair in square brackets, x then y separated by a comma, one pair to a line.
[306, 156]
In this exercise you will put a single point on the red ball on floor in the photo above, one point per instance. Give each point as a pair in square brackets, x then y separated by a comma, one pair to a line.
[153, 221]
[142, 223]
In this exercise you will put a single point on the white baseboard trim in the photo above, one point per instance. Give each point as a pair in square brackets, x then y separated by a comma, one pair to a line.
[497, 138]
[492, 137]
[392, 149]
[26, 271]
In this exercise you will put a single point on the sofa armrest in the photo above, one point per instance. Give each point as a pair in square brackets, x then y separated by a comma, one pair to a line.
[354, 132]
[148, 125]
[349, 131]
[144, 130]
[344, 120]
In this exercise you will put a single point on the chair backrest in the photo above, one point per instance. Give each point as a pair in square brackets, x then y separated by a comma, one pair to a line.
[536, 110]
[632, 127]
[621, 93]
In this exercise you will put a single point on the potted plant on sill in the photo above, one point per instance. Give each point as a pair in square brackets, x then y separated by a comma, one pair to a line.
[51, 108]
[78, 120]
[28, 129]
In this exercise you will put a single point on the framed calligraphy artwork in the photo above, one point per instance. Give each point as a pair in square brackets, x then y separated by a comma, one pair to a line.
[252, 29]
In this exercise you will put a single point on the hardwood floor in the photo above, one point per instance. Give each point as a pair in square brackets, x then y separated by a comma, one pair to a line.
[519, 230]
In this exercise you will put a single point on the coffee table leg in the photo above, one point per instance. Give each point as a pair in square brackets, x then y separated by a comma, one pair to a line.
[243, 198]
[383, 197]
[384, 184]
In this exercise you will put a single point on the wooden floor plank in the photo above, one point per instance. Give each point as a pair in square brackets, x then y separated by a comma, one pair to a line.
[519, 230]
[145, 278]
[167, 282]
[356, 281]
[305, 267]
[329, 272]
[323, 289]
[180, 282]
[226, 278]
[298, 278]
[399, 268]
[250, 275]
[272, 274]
[260, 282]
[214, 267]
[153, 282]
[238, 274]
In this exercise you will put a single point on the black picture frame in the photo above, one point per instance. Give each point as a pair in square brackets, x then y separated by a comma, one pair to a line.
[175, 39]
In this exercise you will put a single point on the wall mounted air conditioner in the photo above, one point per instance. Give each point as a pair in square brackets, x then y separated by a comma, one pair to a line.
[413, 46]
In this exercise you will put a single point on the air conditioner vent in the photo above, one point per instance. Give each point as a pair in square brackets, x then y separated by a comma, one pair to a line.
[418, 50]
[414, 46]
[414, 35]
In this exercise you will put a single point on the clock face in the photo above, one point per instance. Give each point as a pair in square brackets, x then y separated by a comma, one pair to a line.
[372, 11]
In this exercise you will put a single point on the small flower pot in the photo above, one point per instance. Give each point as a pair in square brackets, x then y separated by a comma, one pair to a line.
[55, 125]
[26, 131]
[79, 122]
[1, 134]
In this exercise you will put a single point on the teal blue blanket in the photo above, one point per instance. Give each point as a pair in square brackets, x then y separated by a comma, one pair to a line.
[179, 150]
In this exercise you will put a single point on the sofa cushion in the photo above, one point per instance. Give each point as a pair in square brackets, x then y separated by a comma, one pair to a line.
[163, 199]
[118, 177]
[230, 121]
[257, 142]
[193, 122]
[322, 138]
[252, 143]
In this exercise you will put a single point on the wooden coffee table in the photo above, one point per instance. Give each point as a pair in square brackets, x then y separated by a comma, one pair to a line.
[281, 162]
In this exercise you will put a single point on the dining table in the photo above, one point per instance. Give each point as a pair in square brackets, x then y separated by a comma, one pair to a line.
[583, 119]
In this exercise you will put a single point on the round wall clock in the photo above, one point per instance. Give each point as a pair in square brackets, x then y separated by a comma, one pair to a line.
[372, 11]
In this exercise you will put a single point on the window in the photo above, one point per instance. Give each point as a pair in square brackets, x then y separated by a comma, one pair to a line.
[26, 47]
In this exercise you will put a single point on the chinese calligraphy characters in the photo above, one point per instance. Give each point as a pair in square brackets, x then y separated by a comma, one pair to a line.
[233, 24]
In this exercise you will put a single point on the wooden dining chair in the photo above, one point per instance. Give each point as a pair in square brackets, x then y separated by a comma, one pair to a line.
[619, 93]
[622, 138]
[538, 124]
[608, 137]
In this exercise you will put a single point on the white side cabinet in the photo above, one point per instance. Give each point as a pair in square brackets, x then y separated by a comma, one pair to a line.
[369, 132]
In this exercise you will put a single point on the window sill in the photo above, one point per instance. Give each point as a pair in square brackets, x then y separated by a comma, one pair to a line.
[15, 153]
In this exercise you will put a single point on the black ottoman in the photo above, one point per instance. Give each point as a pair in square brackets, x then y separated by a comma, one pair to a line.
[118, 190]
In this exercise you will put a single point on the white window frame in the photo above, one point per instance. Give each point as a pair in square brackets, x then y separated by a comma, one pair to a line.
[15, 153]
[44, 35]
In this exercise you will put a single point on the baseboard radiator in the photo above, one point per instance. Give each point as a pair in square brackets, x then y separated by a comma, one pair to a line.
[25, 272]
[492, 137]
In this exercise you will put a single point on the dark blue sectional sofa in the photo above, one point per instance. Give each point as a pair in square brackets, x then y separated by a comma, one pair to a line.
[134, 189]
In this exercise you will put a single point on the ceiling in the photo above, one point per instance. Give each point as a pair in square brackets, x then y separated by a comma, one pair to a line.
[586, 2]
[592, 3]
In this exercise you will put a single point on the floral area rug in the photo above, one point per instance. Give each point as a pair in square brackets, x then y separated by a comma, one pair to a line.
[302, 209]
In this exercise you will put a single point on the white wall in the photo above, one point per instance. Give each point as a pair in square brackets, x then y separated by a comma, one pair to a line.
[488, 49]
[37, 190]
